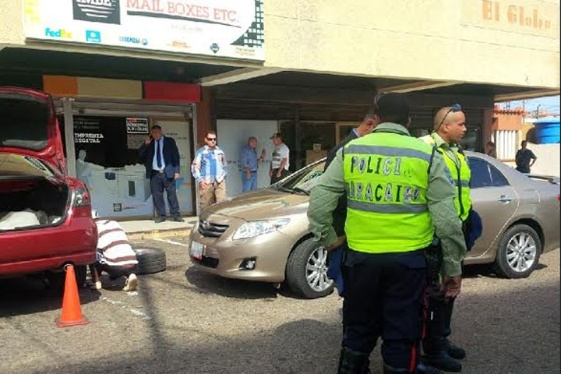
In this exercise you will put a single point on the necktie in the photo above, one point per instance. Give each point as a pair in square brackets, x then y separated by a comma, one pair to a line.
[158, 155]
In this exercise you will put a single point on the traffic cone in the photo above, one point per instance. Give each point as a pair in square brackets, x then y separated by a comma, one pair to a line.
[71, 310]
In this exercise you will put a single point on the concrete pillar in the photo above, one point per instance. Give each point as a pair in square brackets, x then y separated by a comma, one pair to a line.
[206, 119]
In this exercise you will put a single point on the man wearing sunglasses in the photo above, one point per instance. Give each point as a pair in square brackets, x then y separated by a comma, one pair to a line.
[209, 168]
[449, 129]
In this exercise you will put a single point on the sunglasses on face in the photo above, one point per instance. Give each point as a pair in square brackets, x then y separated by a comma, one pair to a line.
[211, 139]
[454, 108]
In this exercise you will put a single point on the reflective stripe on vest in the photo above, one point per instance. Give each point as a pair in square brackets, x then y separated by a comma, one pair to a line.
[461, 174]
[387, 177]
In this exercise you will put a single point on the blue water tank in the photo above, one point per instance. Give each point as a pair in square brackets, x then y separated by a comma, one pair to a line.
[547, 130]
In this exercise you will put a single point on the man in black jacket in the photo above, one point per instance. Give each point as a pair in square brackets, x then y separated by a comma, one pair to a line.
[161, 158]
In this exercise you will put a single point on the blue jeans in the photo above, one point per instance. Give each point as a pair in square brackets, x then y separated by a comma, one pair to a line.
[249, 184]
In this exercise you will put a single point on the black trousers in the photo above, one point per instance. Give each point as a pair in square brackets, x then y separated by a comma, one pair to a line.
[384, 297]
[438, 318]
[115, 271]
[274, 178]
[158, 184]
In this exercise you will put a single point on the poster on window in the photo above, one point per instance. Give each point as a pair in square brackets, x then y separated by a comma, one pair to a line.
[137, 131]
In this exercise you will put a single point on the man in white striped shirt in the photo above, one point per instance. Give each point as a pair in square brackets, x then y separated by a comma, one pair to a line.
[114, 254]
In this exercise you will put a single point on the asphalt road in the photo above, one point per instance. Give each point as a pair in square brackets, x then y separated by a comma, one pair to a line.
[185, 321]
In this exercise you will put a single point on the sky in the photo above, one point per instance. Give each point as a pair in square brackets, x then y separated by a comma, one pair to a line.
[550, 104]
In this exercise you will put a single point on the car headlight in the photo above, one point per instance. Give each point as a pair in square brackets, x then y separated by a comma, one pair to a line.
[256, 228]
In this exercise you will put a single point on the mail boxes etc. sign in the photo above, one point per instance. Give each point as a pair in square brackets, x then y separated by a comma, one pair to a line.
[222, 28]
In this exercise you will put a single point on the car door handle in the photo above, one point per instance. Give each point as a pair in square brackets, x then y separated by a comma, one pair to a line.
[505, 199]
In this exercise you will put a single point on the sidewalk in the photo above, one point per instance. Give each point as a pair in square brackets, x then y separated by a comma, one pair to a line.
[148, 229]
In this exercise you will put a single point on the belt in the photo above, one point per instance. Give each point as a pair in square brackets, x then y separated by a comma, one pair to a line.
[157, 171]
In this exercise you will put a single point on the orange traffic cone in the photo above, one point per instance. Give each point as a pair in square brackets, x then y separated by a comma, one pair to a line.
[71, 310]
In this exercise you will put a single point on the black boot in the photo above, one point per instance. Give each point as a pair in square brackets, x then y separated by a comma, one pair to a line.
[435, 355]
[353, 362]
[453, 350]
[425, 369]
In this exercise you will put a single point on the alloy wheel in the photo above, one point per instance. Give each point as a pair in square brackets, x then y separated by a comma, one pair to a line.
[316, 270]
[521, 252]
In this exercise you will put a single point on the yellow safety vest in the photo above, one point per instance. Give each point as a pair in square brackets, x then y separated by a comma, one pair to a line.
[387, 178]
[461, 174]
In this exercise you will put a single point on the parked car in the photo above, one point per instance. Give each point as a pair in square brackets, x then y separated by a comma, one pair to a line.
[263, 235]
[45, 216]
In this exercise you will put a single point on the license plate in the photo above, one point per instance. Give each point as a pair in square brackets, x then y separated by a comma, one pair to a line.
[197, 250]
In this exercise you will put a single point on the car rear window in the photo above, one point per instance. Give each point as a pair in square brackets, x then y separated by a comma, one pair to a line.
[23, 122]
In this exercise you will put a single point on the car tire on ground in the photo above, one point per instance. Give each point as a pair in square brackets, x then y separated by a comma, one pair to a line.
[306, 271]
[150, 260]
[518, 252]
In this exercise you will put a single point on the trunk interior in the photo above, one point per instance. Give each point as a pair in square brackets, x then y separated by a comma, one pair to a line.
[32, 202]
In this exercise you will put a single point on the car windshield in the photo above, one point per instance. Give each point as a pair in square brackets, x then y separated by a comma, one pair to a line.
[303, 180]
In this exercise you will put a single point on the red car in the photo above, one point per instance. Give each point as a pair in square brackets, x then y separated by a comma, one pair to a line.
[45, 216]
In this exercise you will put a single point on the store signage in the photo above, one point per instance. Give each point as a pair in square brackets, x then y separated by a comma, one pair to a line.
[221, 28]
[99, 11]
[60, 33]
[525, 17]
[87, 131]
[93, 36]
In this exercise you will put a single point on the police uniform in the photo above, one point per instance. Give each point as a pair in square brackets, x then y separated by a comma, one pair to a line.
[438, 351]
[398, 193]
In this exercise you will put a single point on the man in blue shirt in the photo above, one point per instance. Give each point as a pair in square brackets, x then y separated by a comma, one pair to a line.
[249, 163]
[209, 168]
[525, 158]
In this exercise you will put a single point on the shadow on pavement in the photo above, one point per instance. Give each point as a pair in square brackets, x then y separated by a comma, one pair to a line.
[24, 295]
[515, 330]
[226, 287]
[499, 339]
[486, 270]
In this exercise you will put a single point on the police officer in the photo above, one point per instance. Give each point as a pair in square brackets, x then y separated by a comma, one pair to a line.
[334, 271]
[398, 193]
[449, 129]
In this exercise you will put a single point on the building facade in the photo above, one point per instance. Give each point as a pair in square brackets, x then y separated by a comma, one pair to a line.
[254, 67]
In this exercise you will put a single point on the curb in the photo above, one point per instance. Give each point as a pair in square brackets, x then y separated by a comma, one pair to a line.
[158, 234]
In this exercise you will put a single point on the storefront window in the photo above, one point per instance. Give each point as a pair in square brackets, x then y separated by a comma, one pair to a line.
[107, 161]
[312, 135]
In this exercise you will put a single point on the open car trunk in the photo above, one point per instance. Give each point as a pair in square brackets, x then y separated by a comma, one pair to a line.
[31, 196]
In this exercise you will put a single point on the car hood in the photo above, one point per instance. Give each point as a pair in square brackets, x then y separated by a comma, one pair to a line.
[258, 205]
[28, 125]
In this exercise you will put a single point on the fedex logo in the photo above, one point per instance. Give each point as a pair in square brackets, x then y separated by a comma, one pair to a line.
[60, 33]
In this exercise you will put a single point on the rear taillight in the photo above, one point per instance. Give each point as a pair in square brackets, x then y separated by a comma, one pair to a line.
[81, 197]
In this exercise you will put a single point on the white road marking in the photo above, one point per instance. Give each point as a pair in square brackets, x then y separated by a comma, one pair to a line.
[171, 242]
[122, 305]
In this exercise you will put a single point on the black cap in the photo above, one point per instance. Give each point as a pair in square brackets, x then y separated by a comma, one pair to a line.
[156, 126]
[276, 135]
[391, 104]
